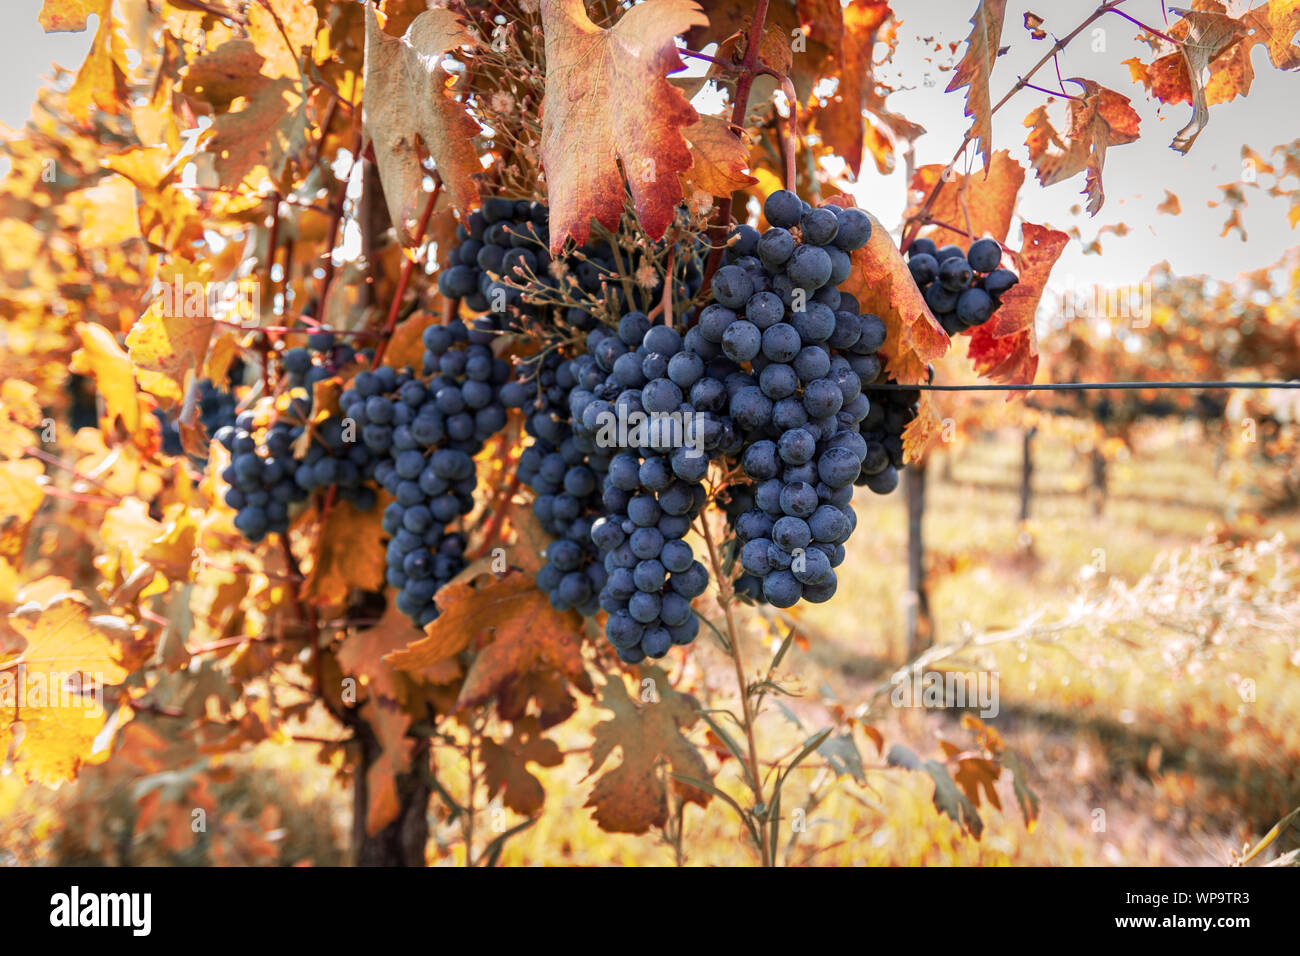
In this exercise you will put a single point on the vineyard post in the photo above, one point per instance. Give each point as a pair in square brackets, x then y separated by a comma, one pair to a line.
[1026, 470]
[920, 626]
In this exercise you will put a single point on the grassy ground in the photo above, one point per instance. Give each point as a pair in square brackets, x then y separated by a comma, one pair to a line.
[1135, 735]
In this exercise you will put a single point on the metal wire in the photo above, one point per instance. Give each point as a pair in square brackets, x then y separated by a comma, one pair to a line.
[1083, 386]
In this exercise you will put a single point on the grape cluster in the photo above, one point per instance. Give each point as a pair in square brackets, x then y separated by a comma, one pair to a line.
[963, 288]
[566, 472]
[809, 348]
[643, 391]
[266, 478]
[423, 437]
[507, 237]
[882, 432]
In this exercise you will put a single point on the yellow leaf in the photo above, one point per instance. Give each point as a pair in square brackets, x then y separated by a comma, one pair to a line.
[104, 358]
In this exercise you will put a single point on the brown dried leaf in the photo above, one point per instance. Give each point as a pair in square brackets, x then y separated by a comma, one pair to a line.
[406, 101]
[975, 68]
[633, 797]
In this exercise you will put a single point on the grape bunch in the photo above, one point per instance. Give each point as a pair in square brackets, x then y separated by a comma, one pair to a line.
[423, 437]
[504, 238]
[808, 347]
[638, 391]
[963, 288]
[566, 472]
[882, 432]
[266, 478]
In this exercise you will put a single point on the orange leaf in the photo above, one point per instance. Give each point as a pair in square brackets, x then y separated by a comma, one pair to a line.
[719, 157]
[975, 68]
[587, 70]
[101, 81]
[633, 797]
[882, 284]
[840, 121]
[70, 15]
[349, 554]
[1099, 119]
[1005, 349]
[988, 198]
[535, 653]
[1170, 206]
[103, 357]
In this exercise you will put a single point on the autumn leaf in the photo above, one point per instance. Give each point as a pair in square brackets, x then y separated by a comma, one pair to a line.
[271, 128]
[1005, 348]
[389, 723]
[505, 766]
[534, 655]
[1034, 24]
[169, 342]
[948, 797]
[101, 81]
[406, 104]
[975, 774]
[102, 357]
[53, 685]
[719, 157]
[1170, 206]
[587, 69]
[975, 69]
[221, 76]
[70, 15]
[981, 203]
[1099, 119]
[349, 554]
[1212, 63]
[840, 120]
[633, 797]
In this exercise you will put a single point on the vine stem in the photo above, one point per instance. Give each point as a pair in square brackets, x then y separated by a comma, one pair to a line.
[748, 70]
[726, 597]
[408, 267]
[917, 220]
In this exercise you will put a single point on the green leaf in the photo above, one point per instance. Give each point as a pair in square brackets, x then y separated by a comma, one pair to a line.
[948, 797]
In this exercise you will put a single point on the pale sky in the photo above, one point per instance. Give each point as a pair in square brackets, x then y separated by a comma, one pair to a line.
[1136, 175]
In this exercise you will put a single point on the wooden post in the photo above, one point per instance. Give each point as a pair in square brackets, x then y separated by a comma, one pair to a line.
[920, 626]
[1026, 471]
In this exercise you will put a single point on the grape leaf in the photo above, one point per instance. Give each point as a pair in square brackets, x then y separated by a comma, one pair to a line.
[1100, 118]
[168, 346]
[948, 797]
[633, 797]
[56, 728]
[1005, 348]
[70, 15]
[882, 284]
[1212, 63]
[718, 157]
[534, 654]
[406, 102]
[505, 766]
[221, 76]
[101, 81]
[841, 121]
[267, 132]
[349, 554]
[607, 99]
[987, 197]
[976, 67]
[1170, 205]
[103, 357]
